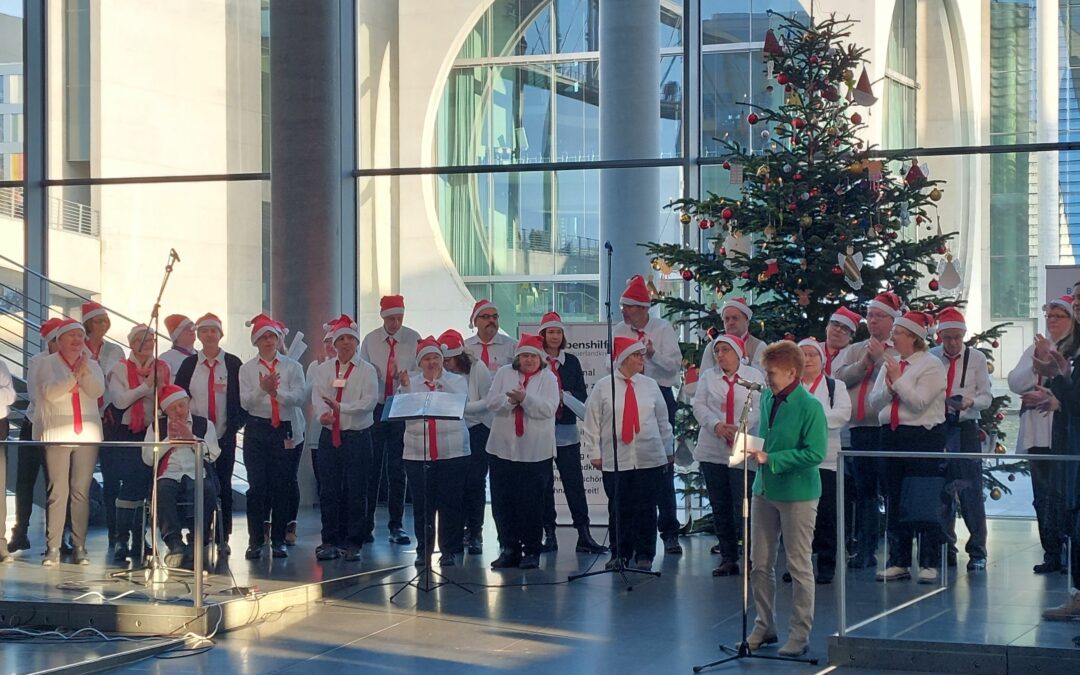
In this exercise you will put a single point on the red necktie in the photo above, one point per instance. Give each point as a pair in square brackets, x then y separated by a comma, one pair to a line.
[76, 404]
[519, 412]
[433, 439]
[275, 409]
[729, 401]
[211, 393]
[640, 334]
[335, 429]
[829, 356]
[894, 415]
[864, 386]
[391, 369]
[553, 363]
[484, 356]
[631, 422]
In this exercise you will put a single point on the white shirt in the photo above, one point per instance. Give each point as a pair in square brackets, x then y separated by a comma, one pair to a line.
[754, 349]
[710, 409]
[1036, 427]
[56, 411]
[650, 447]
[7, 391]
[451, 436]
[124, 396]
[359, 396]
[666, 361]
[920, 389]
[977, 384]
[174, 357]
[476, 410]
[539, 405]
[836, 416]
[850, 368]
[501, 350]
[565, 434]
[375, 349]
[179, 460]
[107, 358]
[290, 391]
[33, 392]
[199, 388]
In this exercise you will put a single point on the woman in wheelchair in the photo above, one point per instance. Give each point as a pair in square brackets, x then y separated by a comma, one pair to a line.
[176, 472]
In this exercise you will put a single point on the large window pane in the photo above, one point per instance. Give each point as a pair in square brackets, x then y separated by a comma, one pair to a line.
[11, 98]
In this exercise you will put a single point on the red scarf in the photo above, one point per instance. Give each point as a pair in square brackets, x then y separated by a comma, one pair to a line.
[729, 401]
[631, 420]
[814, 386]
[894, 414]
[335, 429]
[76, 404]
[829, 356]
[137, 411]
[433, 439]
[275, 409]
[519, 412]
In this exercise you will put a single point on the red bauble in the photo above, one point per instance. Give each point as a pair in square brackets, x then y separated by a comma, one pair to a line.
[933, 284]
[892, 235]
[721, 251]
[995, 344]
[745, 275]
[705, 223]
[814, 192]
[918, 220]
[792, 206]
[798, 123]
[856, 118]
[752, 118]
[727, 164]
[837, 271]
[814, 60]
[727, 213]
[1012, 477]
[797, 176]
[930, 307]
[712, 332]
[782, 78]
[842, 237]
[941, 250]
[788, 89]
[687, 275]
[999, 416]
[831, 93]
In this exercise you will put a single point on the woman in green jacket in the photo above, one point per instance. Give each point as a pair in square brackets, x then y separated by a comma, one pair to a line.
[786, 493]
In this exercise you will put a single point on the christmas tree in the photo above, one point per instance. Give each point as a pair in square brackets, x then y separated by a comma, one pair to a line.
[822, 219]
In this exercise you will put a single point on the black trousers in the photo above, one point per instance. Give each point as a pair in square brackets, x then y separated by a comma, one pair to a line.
[389, 444]
[912, 439]
[825, 526]
[1048, 491]
[568, 460]
[292, 487]
[1074, 550]
[966, 482]
[30, 463]
[268, 464]
[634, 511]
[112, 473]
[668, 521]
[517, 499]
[475, 488]
[869, 485]
[725, 487]
[223, 468]
[438, 494]
[172, 518]
[343, 480]
[132, 474]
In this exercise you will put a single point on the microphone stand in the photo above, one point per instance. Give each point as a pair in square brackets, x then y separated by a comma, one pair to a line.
[742, 650]
[620, 565]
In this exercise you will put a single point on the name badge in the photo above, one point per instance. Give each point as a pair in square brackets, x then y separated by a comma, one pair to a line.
[339, 383]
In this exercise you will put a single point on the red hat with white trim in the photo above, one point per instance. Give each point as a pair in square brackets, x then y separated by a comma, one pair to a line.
[481, 305]
[918, 323]
[846, 318]
[530, 344]
[170, 394]
[813, 342]
[636, 293]
[175, 324]
[428, 345]
[46, 330]
[889, 303]
[64, 326]
[452, 343]
[209, 320]
[92, 309]
[736, 343]
[950, 317]
[1064, 302]
[341, 326]
[739, 304]
[261, 323]
[551, 320]
[624, 347]
[391, 305]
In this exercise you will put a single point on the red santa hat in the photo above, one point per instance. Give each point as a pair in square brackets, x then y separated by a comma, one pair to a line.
[739, 304]
[624, 347]
[261, 323]
[551, 320]
[951, 317]
[170, 394]
[343, 325]
[64, 326]
[47, 329]
[209, 320]
[391, 305]
[889, 303]
[812, 342]
[481, 305]
[1064, 302]
[428, 345]
[846, 318]
[92, 309]
[138, 331]
[918, 323]
[452, 343]
[175, 324]
[636, 293]
[530, 344]
[736, 343]
[863, 93]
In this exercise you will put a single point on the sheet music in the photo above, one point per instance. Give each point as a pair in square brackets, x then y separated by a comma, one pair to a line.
[297, 348]
[426, 404]
[573, 405]
[744, 443]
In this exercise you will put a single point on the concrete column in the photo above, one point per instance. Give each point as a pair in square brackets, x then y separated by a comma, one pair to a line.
[629, 129]
[1048, 74]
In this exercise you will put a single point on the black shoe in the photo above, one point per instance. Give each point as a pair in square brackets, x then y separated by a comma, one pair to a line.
[278, 550]
[860, 561]
[1045, 567]
[824, 577]
[369, 538]
[254, 552]
[121, 552]
[79, 556]
[448, 560]
[352, 553]
[551, 541]
[976, 564]
[950, 559]
[644, 564]
[52, 558]
[224, 549]
[327, 552]
[586, 544]
[726, 569]
[506, 560]
[474, 544]
[672, 546]
[529, 562]
[786, 576]
[398, 536]
[421, 561]
[19, 541]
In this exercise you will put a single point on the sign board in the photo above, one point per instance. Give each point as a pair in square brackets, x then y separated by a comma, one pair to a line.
[1060, 280]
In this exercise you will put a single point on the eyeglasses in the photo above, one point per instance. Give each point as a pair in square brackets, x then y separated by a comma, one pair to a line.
[1057, 316]
[488, 317]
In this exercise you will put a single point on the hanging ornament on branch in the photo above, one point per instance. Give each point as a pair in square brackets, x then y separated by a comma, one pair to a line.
[851, 263]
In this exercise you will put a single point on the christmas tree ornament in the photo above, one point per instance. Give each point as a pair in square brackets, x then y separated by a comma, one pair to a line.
[782, 78]
[797, 177]
[745, 275]
[765, 134]
[863, 94]
[949, 274]
[727, 165]
[752, 118]
[933, 285]
[995, 344]
[655, 264]
[727, 213]
[935, 195]
[832, 131]
[772, 267]
[813, 60]
[856, 118]
[1000, 449]
[787, 168]
[736, 174]
[837, 271]
[915, 175]
[1012, 477]
[849, 77]
[687, 274]
[855, 167]
[762, 171]
[999, 416]
[805, 220]
[798, 123]
[851, 263]
[772, 45]
[804, 296]
[705, 223]
[684, 218]
[995, 493]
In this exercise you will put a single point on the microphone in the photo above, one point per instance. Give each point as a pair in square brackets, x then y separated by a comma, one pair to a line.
[607, 246]
[172, 252]
[752, 386]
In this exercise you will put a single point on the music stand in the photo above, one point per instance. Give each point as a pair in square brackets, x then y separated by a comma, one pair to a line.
[424, 406]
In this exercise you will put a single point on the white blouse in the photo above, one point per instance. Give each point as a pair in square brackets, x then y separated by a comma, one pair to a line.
[539, 405]
[359, 396]
[124, 396]
[920, 389]
[710, 402]
[650, 447]
[290, 388]
[476, 410]
[56, 382]
[110, 354]
[1036, 427]
[836, 416]
[451, 436]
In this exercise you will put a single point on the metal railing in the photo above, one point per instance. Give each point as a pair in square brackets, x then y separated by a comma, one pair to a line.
[63, 214]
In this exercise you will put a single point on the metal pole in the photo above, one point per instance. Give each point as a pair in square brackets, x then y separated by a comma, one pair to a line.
[841, 544]
[197, 588]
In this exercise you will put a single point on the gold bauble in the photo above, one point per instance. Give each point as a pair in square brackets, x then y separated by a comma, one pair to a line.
[655, 262]
[684, 218]
[832, 131]
[806, 221]
[935, 195]
[848, 75]
[995, 493]
[999, 449]
[990, 367]
[763, 277]
[855, 167]
[762, 171]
